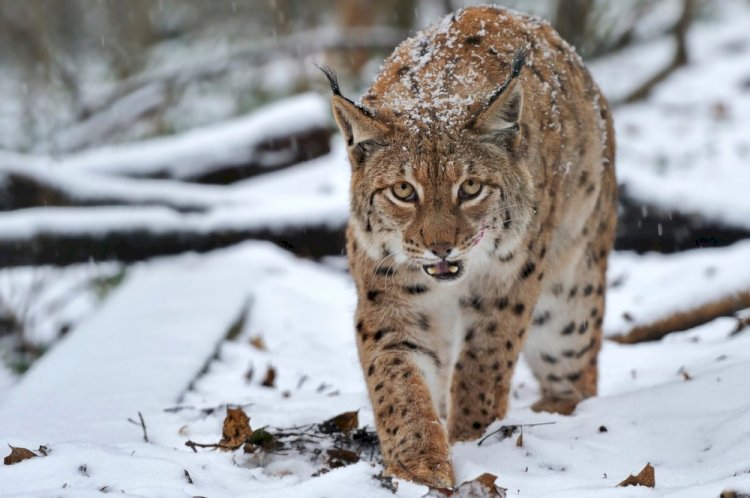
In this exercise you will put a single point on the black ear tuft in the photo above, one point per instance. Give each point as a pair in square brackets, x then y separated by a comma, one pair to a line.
[333, 80]
[519, 59]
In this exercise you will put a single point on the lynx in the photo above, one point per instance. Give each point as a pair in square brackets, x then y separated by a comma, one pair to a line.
[483, 203]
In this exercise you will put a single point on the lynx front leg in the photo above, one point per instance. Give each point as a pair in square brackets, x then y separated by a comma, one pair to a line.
[412, 439]
[483, 372]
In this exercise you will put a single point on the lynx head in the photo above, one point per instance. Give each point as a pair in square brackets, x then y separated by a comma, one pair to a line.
[437, 196]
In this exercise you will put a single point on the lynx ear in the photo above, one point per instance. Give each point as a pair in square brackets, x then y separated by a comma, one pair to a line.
[503, 112]
[361, 129]
[356, 123]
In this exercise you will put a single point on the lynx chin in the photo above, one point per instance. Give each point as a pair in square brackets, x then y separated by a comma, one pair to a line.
[483, 203]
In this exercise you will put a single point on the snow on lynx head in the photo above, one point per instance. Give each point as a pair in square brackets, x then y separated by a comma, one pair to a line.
[432, 192]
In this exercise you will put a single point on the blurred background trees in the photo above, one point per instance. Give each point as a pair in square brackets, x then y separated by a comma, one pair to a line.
[80, 73]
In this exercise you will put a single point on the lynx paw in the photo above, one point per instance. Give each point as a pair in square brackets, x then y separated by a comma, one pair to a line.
[431, 471]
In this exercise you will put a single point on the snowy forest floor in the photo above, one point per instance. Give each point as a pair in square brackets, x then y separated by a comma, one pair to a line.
[254, 327]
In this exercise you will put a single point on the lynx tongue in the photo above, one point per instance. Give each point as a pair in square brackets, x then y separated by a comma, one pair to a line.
[442, 267]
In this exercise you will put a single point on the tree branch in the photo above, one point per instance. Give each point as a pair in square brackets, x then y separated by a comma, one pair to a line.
[679, 59]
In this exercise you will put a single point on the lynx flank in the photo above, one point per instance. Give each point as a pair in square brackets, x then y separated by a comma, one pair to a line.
[483, 210]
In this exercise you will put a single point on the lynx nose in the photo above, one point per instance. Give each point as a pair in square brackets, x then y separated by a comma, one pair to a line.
[440, 249]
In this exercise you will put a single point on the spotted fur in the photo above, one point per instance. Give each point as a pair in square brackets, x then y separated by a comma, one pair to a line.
[498, 98]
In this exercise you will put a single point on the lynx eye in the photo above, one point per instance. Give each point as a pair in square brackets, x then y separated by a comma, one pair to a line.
[404, 191]
[469, 189]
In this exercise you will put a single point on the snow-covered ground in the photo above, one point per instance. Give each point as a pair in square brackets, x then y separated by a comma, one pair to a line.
[680, 404]
[179, 339]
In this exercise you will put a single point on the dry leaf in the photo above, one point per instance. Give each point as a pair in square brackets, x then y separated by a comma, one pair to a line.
[646, 477]
[685, 374]
[270, 379]
[258, 343]
[341, 458]
[728, 493]
[18, 455]
[345, 422]
[519, 441]
[236, 429]
[481, 487]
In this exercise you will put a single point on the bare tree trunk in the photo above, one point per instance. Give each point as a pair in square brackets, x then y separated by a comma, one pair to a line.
[572, 20]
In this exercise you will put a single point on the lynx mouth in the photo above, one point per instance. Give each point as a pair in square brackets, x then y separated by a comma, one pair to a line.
[445, 270]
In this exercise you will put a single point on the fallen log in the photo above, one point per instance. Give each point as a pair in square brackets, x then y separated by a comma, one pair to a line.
[684, 320]
[280, 135]
[65, 236]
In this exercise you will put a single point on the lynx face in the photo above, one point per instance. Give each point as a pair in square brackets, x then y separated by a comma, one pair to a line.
[431, 203]
[435, 198]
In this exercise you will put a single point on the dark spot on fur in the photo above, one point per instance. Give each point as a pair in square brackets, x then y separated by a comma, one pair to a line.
[416, 289]
[473, 40]
[583, 327]
[403, 70]
[371, 370]
[508, 345]
[424, 322]
[518, 308]
[553, 378]
[469, 335]
[527, 270]
[476, 303]
[573, 377]
[491, 328]
[588, 290]
[501, 303]
[372, 295]
[476, 425]
[573, 292]
[379, 334]
[411, 346]
[569, 328]
[549, 359]
[541, 319]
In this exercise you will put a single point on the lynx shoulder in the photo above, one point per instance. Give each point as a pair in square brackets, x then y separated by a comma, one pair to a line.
[483, 203]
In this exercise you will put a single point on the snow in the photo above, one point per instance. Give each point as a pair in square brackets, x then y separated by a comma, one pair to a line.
[684, 281]
[686, 148]
[193, 151]
[311, 193]
[158, 343]
[693, 431]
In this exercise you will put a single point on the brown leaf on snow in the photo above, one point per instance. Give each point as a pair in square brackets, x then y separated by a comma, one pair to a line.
[270, 379]
[18, 455]
[338, 457]
[344, 422]
[236, 429]
[482, 487]
[519, 441]
[258, 343]
[728, 493]
[646, 477]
